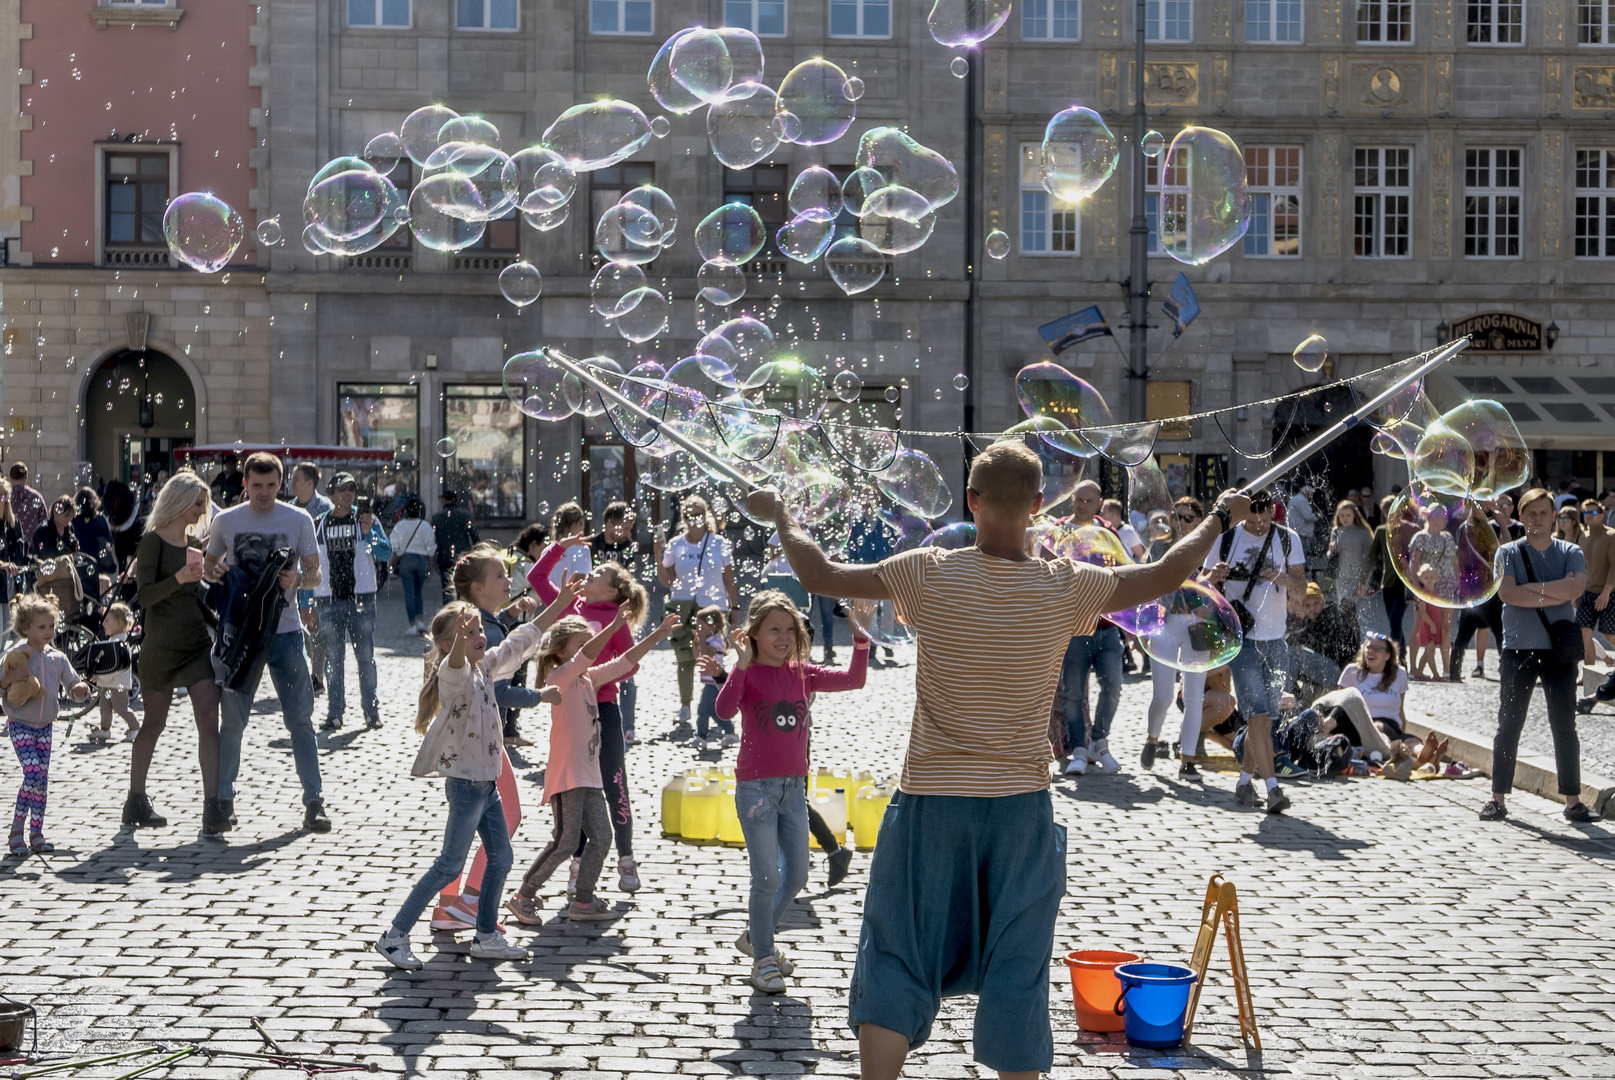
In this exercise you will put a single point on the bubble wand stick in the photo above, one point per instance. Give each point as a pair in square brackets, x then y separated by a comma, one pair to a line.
[584, 375]
[1351, 420]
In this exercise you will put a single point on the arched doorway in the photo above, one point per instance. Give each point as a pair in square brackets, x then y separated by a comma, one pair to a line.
[1344, 464]
[139, 407]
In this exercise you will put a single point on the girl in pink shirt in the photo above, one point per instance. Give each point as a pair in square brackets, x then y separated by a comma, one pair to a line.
[607, 587]
[771, 687]
[572, 778]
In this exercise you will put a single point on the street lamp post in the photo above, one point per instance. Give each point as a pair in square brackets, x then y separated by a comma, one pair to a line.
[1138, 286]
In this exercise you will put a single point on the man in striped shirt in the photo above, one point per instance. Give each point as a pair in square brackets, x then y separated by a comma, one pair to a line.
[966, 883]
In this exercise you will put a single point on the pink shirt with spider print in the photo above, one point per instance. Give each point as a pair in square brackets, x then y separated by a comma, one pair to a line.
[773, 707]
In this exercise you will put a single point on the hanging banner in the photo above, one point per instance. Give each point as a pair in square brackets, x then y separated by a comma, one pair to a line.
[1181, 305]
[1068, 330]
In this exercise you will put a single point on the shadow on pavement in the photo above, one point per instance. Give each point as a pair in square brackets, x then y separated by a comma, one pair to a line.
[1593, 843]
[780, 1023]
[185, 862]
[1289, 833]
[1116, 790]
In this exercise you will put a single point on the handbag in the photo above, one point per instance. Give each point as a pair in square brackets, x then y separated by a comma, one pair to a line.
[1564, 636]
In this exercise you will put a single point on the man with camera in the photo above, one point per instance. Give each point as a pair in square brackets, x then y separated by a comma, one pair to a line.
[1255, 565]
[350, 542]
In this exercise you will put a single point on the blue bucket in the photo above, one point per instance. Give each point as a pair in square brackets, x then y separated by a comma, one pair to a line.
[1154, 1003]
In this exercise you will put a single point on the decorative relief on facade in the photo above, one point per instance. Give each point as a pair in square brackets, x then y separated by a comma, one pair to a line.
[1442, 11]
[1166, 84]
[1331, 85]
[1221, 21]
[1104, 219]
[1110, 19]
[1443, 100]
[995, 148]
[1219, 82]
[1593, 88]
[1553, 86]
[1107, 82]
[1329, 230]
[995, 93]
[1380, 86]
[1552, 179]
[1329, 22]
[1553, 23]
[1441, 195]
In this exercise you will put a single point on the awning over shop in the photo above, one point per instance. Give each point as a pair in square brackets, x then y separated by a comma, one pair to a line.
[1555, 408]
[323, 455]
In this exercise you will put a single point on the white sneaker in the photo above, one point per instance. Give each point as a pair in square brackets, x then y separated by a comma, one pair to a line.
[627, 874]
[729, 740]
[395, 947]
[684, 714]
[572, 878]
[1101, 757]
[1079, 764]
[743, 943]
[495, 947]
[698, 744]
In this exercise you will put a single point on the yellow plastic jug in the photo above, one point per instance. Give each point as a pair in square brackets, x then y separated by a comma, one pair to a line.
[672, 798]
[867, 810]
[830, 779]
[729, 818]
[698, 814]
[832, 807]
[857, 784]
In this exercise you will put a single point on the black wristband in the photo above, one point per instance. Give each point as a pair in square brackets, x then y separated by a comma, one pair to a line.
[1221, 514]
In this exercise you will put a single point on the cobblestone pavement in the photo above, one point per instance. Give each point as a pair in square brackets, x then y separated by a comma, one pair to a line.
[1388, 932]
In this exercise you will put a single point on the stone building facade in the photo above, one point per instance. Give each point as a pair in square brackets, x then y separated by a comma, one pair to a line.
[1415, 165]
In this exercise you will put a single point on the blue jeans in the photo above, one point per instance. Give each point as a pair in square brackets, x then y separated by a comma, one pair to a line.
[1315, 668]
[1101, 653]
[288, 670]
[773, 819]
[825, 608]
[474, 810]
[1260, 669]
[706, 711]
[349, 620]
[412, 572]
[627, 695]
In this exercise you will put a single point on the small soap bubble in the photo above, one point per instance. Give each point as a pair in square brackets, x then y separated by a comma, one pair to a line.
[1311, 353]
[847, 386]
[960, 66]
[962, 23]
[660, 126]
[202, 231]
[812, 93]
[961, 381]
[892, 394]
[446, 447]
[853, 88]
[1154, 142]
[1078, 154]
[854, 264]
[268, 232]
[521, 283]
[998, 243]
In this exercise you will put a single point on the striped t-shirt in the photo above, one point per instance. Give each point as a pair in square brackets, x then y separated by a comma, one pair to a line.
[991, 637]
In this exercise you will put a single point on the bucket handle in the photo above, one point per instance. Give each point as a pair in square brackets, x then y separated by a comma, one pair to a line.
[1120, 1001]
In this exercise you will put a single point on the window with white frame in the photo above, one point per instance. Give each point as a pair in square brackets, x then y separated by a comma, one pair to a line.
[138, 3]
[861, 18]
[1595, 204]
[372, 13]
[1592, 21]
[1170, 198]
[620, 16]
[765, 18]
[1273, 178]
[485, 14]
[1168, 20]
[1496, 22]
[1381, 221]
[1492, 191]
[1385, 22]
[1051, 20]
[1049, 225]
[1273, 20]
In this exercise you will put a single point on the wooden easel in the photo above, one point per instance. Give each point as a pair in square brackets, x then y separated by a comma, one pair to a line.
[1221, 906]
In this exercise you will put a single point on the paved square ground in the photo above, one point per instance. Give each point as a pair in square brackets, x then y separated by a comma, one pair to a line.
[1388, 932]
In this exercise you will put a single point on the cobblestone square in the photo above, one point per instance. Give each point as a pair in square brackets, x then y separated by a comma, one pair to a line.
[1388, 932]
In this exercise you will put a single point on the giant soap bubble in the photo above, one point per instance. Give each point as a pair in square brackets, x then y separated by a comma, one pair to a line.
[962, 23]
[1078, 154]
[896, 220]
[598, 134]
[731, 235]
[484, 166]
[669, 93]
[1205, 206]
[628, 233]
[202, 231]
[742, 343]
[1475, 449]
[854, 264]
[1443, 547]
[472, 129]
[1049, 391]
[720, 285]
[788, 387]
[741, 127]
[903, 161]
[806, 236]
[700, 63]
[812, 93]
[1200, 631]
[540, 388]
[1062, 470]
[541, 178]
[613, 283]
[815, 188]
[644, 316]
[914, 481]
[419, 132]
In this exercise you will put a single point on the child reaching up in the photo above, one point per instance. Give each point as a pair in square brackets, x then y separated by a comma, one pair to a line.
[464, 744]
[711, 634]
[572, 782]
[31, 707]
[771, 687]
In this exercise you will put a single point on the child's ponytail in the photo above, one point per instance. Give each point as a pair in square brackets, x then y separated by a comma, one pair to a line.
[443, 624]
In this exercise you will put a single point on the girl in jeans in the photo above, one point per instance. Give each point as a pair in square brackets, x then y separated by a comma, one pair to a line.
[770, 688]
[464, 745]
[1542, 579]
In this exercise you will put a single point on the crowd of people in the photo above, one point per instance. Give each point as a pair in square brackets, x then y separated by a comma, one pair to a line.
[257, 570]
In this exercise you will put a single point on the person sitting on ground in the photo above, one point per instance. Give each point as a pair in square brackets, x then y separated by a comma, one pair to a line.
[1321, 640]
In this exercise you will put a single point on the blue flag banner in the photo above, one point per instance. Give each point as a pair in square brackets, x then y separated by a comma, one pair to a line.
[1180, 305]
[1067, 330]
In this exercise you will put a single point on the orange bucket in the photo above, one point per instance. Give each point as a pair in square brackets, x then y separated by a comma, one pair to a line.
[1095, 988]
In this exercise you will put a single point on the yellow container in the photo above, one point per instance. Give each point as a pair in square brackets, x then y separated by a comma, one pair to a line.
[832, 807]
[867, 810]
[830, 779]
[698, 813]
[856, 785]
[672, 798]
[729, 818]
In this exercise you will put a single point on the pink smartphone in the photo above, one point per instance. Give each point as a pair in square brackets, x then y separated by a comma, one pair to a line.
[194, 557]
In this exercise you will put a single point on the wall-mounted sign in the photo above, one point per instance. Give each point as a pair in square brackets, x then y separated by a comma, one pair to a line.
[1500, 331]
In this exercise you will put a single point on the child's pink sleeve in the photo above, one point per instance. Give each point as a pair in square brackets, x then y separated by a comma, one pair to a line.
[539, 576]
[831, 680]
[731, 694]
[567, 674]
[614, 670]
[620, 642]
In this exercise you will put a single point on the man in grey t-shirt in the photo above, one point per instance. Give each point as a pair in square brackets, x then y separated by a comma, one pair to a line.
[246, 536]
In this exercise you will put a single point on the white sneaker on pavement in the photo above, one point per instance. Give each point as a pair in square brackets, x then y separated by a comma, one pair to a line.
[627, 874]
[395, 947]
[730, 739]
[1101, 757]
[1079, 763]
[495, 947]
